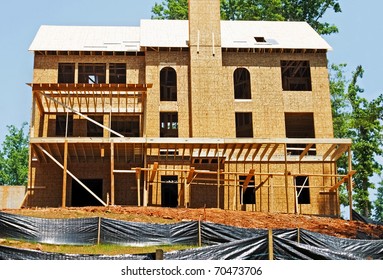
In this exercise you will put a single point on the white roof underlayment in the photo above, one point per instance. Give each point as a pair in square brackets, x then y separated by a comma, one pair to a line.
[86, 38]
[175, 33]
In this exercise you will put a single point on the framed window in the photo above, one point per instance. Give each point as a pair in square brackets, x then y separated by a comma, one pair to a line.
[66, 73]
[117, 73]
[296, 75]
[168, 124]
[94, 130]
[302, 189]
[92, 73]
[129, 126]
[299, 125]
[242, 89]
[247, 196]
[243, 125]
[61, 125]
[168, 84]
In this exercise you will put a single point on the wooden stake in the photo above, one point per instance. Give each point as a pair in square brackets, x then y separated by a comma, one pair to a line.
[65, 170]
[271, 249]
[112, 172]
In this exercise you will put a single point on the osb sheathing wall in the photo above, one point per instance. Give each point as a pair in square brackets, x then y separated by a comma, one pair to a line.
[269, 102]
[155, 62]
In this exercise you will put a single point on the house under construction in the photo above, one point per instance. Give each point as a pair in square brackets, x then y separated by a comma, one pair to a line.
[195, 113]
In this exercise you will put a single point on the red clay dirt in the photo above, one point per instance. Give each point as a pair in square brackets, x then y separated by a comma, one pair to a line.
[330, 226]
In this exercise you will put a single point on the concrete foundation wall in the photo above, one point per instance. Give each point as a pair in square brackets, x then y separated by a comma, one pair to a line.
[11, 197]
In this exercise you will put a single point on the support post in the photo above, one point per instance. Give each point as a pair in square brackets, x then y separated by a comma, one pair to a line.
[286, 181]
[271, 249]
[159, 254]
[199, 232]
[138, 177]
[99, 231]
[65, 170]
[112, 189]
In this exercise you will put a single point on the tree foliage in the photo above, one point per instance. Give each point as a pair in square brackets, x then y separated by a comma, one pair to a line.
[357, 118]
[378, 204]
[14, 157]
[311, 11]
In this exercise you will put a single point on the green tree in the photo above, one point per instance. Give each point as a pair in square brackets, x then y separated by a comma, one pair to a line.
[311, 11]
[378, 204]
[361, 120]
[14, 157]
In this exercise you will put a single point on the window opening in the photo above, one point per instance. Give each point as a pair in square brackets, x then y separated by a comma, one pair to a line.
[299, 125]
[244, 125]
[66, 73]
[168, 84]
[61, 122]
[260, 39]
[296, 75]
[169, 124]
[128, 126]
[302, 189]
[92, 73]
[94, 130]
[242, 89]
[117, 73]
[247, 196]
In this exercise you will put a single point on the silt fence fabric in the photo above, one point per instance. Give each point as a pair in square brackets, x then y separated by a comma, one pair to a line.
[50, 231]
[218, 241]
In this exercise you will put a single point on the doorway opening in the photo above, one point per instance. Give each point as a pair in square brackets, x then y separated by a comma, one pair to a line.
[169, 191]
[81, 197]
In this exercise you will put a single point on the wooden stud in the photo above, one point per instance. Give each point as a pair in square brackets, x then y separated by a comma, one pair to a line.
[65, 170]
[112, 187]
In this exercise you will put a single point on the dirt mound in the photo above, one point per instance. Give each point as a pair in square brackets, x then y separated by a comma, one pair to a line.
[330, 226]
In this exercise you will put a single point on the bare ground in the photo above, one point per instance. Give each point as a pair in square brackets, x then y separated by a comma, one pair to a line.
[330, 226]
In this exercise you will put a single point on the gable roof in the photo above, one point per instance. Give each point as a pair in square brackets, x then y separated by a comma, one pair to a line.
[86, 38]
[175, 33]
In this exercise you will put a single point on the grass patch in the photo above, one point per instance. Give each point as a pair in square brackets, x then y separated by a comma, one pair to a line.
[101, 249]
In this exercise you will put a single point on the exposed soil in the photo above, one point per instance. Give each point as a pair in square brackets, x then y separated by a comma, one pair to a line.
[330, 226]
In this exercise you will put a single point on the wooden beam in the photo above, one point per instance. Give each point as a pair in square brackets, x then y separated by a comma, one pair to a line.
[65, 170]
[343, 180]
[265, 151]
[338, 153]
[247, 180]
[329, 151]
[138, 177]
[112, 189]
[305, 151]
[273, 151]
[154, 172]
[263, 182]
[190, 176]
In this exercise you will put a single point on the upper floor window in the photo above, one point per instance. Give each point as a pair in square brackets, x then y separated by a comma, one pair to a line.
[94, 130]
[66, 73]
[64, 125]
[168, 84]
[296, 75]
[128, 126]
[92, 73]
[168, 124]
[117, 73]
[299, 125]
[242, 89]
[244, 125]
